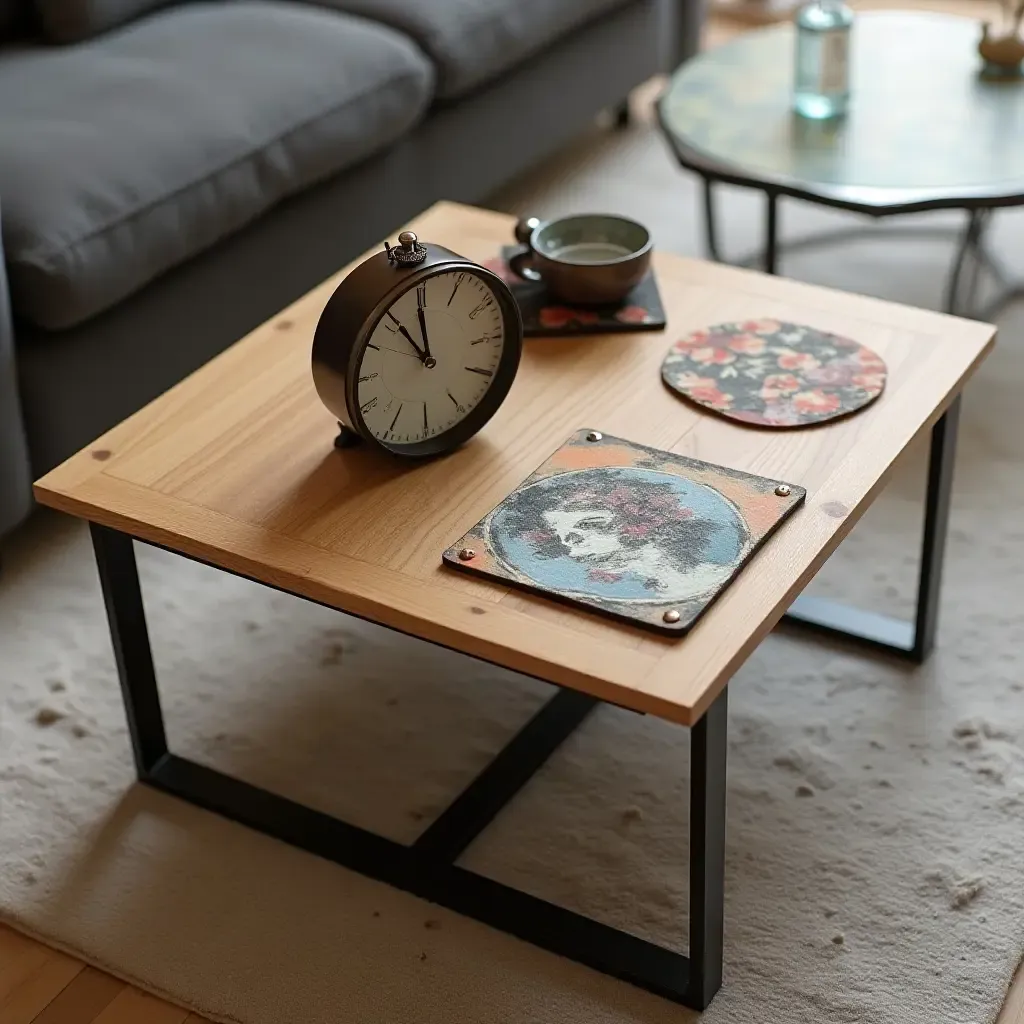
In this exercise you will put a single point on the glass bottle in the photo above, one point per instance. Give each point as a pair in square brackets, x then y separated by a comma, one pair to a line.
[822, 80]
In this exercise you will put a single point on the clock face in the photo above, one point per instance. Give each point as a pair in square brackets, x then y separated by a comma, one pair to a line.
[431, 359]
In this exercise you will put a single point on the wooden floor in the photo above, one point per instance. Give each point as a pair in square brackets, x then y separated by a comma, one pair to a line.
[38, 985]
[41, 986]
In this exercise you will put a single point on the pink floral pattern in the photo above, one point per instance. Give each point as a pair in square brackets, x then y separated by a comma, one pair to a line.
[774, 373]
[562, 316]
[634, 315]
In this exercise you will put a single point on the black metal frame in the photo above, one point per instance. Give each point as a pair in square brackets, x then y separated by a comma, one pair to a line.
[971, 253]
[912, 640]
[427, 868]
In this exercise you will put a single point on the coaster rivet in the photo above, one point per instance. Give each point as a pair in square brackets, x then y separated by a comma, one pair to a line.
[594, 436]
[466, 554]
[783, 490]
[671, 615]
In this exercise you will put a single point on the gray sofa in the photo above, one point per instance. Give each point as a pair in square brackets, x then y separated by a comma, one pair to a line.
[170, 176]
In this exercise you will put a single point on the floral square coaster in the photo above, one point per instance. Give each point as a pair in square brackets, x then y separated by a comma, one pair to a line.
[639, 534]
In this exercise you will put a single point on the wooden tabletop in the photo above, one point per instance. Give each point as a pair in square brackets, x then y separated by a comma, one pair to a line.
[236, 466]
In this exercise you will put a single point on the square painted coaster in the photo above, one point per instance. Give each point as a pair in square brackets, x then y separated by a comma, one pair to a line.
[641, 310]
[629, 531]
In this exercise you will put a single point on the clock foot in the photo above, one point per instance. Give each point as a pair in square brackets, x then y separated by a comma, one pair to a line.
[346, 438]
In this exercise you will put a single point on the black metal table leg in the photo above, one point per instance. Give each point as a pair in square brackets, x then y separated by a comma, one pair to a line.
[708, 743]
[971, 253]
[978, 264]
[769, 256]
[710, 224]
[967, 250]
[428, 867]
[771, 232]
[119, 579]
[941, 463]
[912, 640]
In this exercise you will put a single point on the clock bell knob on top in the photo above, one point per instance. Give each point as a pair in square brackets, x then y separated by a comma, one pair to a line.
[408, 251]
[416, 349]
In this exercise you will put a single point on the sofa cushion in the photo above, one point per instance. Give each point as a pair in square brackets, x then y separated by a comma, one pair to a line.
[472, 41]
[135, 151]
[70, 21]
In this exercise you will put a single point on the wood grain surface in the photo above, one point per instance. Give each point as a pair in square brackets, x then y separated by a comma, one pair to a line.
[235, 465]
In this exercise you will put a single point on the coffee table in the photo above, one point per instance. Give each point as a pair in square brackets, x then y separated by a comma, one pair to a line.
[924, 132]
[236, 467]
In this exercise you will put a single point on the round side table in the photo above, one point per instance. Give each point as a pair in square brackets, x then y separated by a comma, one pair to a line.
[924, 132]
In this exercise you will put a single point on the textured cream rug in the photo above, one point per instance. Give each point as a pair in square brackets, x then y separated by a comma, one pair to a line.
[876, 812]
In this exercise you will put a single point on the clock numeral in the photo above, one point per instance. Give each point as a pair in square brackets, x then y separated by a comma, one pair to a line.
[375, 347]
[395, 420]
[458, 281]
[421, 295]
[477, 369]
[367, 406]
[489, 336]
[394, 320]
[478, 309]
[369, 376]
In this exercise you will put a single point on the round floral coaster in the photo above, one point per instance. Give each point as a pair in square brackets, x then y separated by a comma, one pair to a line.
[774, 374]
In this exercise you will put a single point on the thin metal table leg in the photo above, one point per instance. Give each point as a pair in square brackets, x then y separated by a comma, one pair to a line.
[970, 303]
[988, 260]
[119, 579]
[710, 225]
[941, 461]
[771, 241]
[708, 744]
[913, 640]
[968, 245]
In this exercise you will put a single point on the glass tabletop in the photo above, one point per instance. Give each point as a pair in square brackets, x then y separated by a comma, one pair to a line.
[923, 126]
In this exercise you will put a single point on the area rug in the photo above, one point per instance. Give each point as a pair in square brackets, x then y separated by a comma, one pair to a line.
[874, 868]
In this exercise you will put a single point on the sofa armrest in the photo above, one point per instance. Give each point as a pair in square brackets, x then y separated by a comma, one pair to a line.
[15, 472]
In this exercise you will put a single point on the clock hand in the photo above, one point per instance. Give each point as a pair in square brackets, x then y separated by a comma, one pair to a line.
[401, 352]
[408, 337]
[423, 332]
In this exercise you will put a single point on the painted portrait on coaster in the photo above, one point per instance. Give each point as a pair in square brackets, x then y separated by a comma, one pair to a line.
[626, 529]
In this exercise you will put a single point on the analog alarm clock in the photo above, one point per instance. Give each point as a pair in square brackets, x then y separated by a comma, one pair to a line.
[416, 349]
